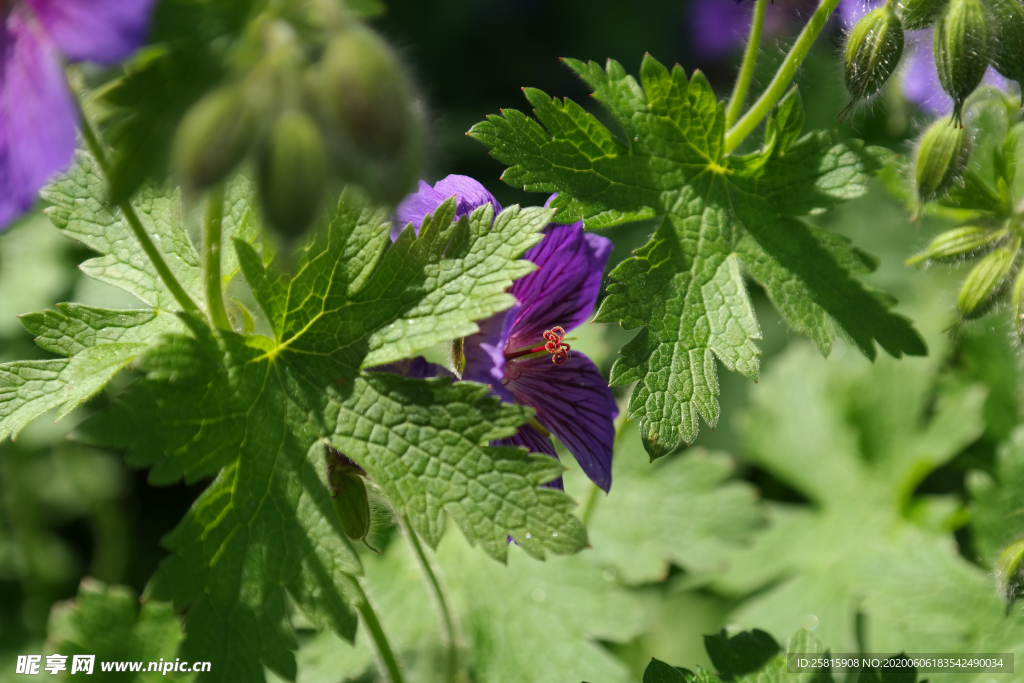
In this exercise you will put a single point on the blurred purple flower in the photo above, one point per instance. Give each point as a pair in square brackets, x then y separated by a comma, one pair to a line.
[720, 27]
[37, 113]
[521, 352]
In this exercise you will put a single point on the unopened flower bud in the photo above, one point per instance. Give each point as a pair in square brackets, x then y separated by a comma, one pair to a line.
[919, 14]
[957, 242]
[214, 137]
[962, 50]
[1010, 573]
[941, 156]
[985, 279]
[292, 173]
[872, 52]
[1008, 38]
[364, 101]
[348, 494]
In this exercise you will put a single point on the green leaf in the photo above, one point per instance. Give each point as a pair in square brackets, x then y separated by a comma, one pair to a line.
[856, 441]
[97, 342]
[107, 622]
[425, 444]
[684, 288]
[527, 621]
[740, 654]
[694, 517]
[82, 211]
[746, 657]
[660, 672]
[254, 412]
[997, 511]
[468, 283]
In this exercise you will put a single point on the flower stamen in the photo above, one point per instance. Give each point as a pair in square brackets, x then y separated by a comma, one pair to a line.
[553, 344]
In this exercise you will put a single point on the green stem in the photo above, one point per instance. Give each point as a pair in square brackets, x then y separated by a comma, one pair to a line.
[128, 211]
[211, 257]
[438, 592]
[739, 91]
[777, 88]
[386, 661]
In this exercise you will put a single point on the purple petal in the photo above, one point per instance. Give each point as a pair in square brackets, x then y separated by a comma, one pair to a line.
[103, 31]
[574, 403]
[469, 195]
[563, 289]
[535, 442]
[485, 354]
[37, 116]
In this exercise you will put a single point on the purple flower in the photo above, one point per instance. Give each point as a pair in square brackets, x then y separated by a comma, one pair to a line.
[522, 354]
[469, 194]
[37, 113]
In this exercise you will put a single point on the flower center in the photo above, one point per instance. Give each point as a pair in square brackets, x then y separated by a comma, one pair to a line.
[553, 344]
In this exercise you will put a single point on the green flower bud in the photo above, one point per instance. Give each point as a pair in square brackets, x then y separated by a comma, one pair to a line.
[348, 494]
[962, 50]
[957, 242]
[213, 137]
[364, 101]
[941, 156]
[1010, 573]
[292, 173]
[919, 14]
[872, 53]
[1007, 26]
[985, 279]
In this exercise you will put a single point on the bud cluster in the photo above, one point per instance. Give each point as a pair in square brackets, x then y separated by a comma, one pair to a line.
[306, 110]
[986, 195]
[969, 36]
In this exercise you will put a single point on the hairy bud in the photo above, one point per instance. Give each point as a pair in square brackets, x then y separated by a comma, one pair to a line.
[872, 53]
[919, 14]
[364, 101]
[1010, 573]
[962, 50]
[348, 494]
[214, 137]
[292, 173]
[941, 156]
[1008, 38]
[957, 242]
[985, 279]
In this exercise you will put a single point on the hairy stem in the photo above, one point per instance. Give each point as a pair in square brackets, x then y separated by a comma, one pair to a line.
[128, 211]
[777, 88]
[440, 599]
[211, 257]
[739, 91]
[386, 662]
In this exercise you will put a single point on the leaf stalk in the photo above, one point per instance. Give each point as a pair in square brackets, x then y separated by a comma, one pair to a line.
[211, 257]
[440, 599]
[739, 91]
[386, 662]
[783, 77]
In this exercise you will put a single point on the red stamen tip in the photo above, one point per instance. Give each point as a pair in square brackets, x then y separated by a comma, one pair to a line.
[558, 349]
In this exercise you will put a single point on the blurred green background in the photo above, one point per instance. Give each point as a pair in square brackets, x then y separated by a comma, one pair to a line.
[744, 529]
